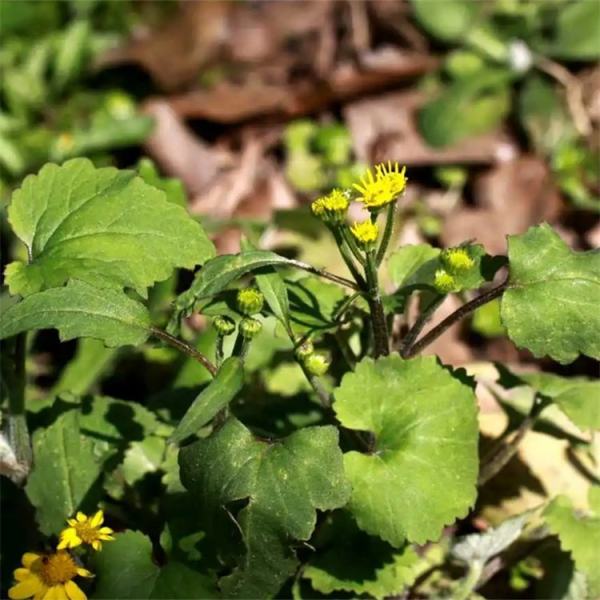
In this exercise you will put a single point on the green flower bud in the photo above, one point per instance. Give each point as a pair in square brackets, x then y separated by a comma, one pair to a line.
[443, 282]
[250, 327]
[224, 325]
[317, 364]
[250, 301]
[457, 260]
[304, 350]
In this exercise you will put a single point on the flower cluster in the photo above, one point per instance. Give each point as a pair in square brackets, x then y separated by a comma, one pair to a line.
[315, 363]
[365, 233]
[331, 208]
[455, 262]
[50, 576]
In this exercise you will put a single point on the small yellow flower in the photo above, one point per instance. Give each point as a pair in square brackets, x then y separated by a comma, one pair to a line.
[365, 233]
[250, 301]
[85, 530]
[48, 577]
[316, 364]
[457, 260]
[443, 282]
[377, 190]
[331, 208]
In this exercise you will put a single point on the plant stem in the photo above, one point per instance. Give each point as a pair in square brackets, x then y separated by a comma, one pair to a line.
[219, 353]
[469, 583]
[499, 457]
[387, 232]
[457, 315]
[185, 348]
[18, 434]
[380, 333]
[421, 321]
[343, 248]
[344, 306]
[349, 239]
[322, 273]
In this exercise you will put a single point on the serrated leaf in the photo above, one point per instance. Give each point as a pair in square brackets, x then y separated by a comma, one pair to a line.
[480, 547]
[285, 483]
[64, 475]
[217, 395]
[406, 261]
[578, 535]
[125, 570]
[103, 226]
[377, 570]
[422, 473]
[551, 304]
[80, 310]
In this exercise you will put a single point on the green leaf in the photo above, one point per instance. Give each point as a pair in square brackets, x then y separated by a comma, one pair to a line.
[551, 304]
[577, 35]
[405, 262]
[125, 570]
[377, 570]
[219, 272]
[64, 475]
[447, 20]
[90, 362]
[172, 187]
[103, 226]
[468, 107]
[284, 482]
[422, 473]
[216, 396]
[273, 287]
[578, 397]
[578, 535]
[80, 310]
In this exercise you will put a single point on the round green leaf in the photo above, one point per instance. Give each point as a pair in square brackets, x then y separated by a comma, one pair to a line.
[551, 305]
[422, 472]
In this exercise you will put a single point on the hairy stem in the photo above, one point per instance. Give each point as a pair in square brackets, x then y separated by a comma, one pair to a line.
[456, 316]
[325, 274]
[346, 255]
[349, 239]
[387, 232]
[497, 459]
[421, 321]
[185, 348]
[380, 332]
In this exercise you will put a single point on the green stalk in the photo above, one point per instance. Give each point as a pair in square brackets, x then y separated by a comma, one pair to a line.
[349, 239]
[469, 583]
[219, 353]
[339, 239]
[421, 321]
[380, 332]
[387, 232]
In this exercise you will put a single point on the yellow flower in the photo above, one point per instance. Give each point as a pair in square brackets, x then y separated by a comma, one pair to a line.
[383, 187]
[332, 207]
[250, 301]
[365, 233]
[85, 530]
[48, 577]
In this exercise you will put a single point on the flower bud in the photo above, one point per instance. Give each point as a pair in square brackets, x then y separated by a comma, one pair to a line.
[365, 233]
[331, 208]
[443, 282]
[304, 350]
[224, 325]
[457, 260]
[316, 364]
[250, 301]
[249, 327]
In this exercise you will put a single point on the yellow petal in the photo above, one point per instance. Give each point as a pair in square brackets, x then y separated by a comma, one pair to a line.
[25, 589]
[21, 574]
[74, 592]
[81, 517]
[56, 592]
[29, 558]
[84, 572]
[72, 522]
[97, 519]
[96, 545]
[105, 531]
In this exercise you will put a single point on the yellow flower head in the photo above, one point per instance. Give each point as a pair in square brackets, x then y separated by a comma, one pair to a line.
[48, 577]
[85, 530]
[250, 301]
[365, 233]
[377, 190]
[331, 208]
[457, 260]
[316, 364]
[443, 282]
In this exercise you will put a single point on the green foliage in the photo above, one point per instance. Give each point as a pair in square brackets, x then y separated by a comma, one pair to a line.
[284, 482]
[126, 570]
[551, 305]
[447, 20]
[65, 478]
[216, 396]
[425, 448]
[78, 222]
[80, 310]
[578, 535]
